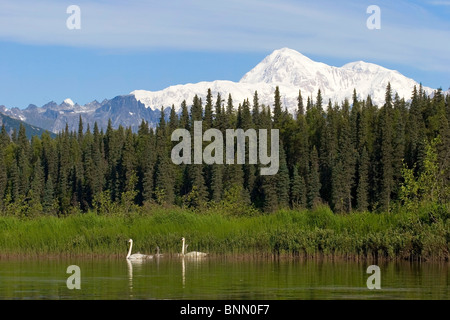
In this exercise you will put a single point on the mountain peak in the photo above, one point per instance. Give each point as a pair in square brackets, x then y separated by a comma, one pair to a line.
[288, 52]
[285, 66]
[361, 66]
[69, 101]
[291, 71]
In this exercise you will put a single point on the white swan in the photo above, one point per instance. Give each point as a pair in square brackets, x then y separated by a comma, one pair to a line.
[193, 254]
[137, 256]
[158, 255]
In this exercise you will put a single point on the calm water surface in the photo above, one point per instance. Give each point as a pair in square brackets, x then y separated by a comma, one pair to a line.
[219, 278]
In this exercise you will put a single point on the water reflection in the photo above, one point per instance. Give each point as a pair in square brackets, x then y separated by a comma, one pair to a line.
[130, 277]
[137, 264]
[192, 261]
[220, 278]
[183, 272]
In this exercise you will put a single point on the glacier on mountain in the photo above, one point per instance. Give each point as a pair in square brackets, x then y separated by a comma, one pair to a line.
[291, 71]
[286, 68]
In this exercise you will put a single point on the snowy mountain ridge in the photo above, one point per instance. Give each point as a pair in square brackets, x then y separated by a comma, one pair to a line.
[286, 68]
[291, 71]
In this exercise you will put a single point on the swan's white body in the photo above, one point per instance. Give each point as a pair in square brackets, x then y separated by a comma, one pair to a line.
[192, 254]
[136, 256]
[158, 255]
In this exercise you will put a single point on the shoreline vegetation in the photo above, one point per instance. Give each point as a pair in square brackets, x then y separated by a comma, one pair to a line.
[420, 235]
[355, 180]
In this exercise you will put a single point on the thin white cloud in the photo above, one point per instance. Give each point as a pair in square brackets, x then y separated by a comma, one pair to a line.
[409, 35]
[440, 3]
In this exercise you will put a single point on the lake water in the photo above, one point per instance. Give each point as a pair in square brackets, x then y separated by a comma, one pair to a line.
[219, 278]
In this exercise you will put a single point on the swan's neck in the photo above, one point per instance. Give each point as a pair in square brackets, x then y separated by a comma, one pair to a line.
[129, 251]
[182, 248]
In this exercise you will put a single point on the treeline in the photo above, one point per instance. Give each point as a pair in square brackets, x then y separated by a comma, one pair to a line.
[352, 156]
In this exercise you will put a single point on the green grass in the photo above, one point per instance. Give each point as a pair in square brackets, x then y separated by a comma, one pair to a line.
[424, 234]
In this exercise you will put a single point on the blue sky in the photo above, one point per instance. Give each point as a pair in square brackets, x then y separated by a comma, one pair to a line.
[127, 45]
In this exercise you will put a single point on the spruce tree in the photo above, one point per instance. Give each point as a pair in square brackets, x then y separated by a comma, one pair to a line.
[248, 169]
[385, 159]
[330, 169]
[198, 191]
[48, 199]
[3, 178]
[219, 120]
[398, 142]
[413, 126]
[4, 137]
[208, 117]
[319, 101]
[164, 181]
[362, 190]
[80, 129]
[98, 159]
[128, 160]
[298, 189]
[283, 181]
[313, 191]
[277, 109]
[315, 118]
[217, 182]
[255, 110]
[230, 116]
[184, 118]
[347, 157]
[300, 107]
[302, 146]
[164, 174]
[23, 163]
[269, 190]
[173, 120]
[35, 193]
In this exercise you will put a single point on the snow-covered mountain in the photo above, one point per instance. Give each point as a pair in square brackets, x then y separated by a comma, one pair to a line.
[291, 71]
[286, 68]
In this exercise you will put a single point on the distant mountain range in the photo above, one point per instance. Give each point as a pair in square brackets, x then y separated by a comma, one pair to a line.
[12, 124]
[286, 68]
[123, 110]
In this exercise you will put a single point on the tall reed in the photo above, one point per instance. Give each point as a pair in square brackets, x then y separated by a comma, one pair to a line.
[424, 234]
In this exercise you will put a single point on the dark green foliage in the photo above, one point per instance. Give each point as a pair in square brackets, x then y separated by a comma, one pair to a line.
[184, 117]
[173, 119]
[277, 109]
[255, 110]
[385, 154]
[3, 178]
[298, 190]
[314, 185]
[351, 156]
[208, 118]
[217, 182]
[300, 107]
[283, 181]
[362, 190]
[231, 228]
[269, 192]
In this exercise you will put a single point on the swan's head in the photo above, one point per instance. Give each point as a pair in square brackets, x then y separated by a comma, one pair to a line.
[182, 239]
[130, 241]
